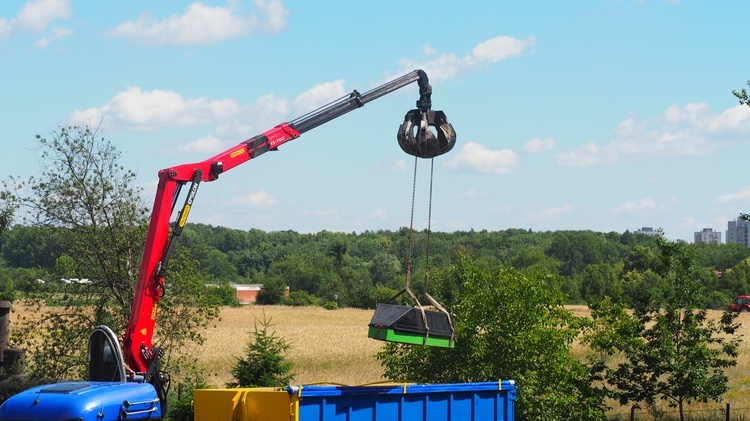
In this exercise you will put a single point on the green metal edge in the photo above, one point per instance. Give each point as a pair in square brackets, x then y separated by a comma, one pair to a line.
[390, 335]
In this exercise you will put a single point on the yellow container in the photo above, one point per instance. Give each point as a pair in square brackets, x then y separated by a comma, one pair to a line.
[245, 404]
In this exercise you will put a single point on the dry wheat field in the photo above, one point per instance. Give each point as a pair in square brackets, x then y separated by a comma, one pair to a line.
[331, 346]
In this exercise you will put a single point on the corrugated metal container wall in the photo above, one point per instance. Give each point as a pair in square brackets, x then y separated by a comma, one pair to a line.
[483, 401]
[434, 402]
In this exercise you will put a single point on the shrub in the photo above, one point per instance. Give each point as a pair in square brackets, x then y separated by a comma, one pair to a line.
[300, 298]
[265, 364]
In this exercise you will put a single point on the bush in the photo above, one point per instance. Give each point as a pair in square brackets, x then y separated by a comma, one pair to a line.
[265, 364]
[300, 298]
[272, 292]
[223, 295]
[181, 403]
[331, 305]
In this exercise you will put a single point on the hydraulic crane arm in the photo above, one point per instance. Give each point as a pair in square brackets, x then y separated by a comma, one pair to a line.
[415, 137]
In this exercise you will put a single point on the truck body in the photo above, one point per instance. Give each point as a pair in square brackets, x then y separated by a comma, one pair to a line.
[84, 401]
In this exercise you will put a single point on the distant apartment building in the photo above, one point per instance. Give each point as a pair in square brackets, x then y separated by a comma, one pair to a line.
[648, 231]
[738, 231]
[708, 236]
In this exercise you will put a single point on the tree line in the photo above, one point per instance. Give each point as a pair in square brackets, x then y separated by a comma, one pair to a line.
[361, 269]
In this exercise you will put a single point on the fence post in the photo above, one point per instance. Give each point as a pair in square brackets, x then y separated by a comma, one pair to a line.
[14, 361]
[727, 411]
[632, 413]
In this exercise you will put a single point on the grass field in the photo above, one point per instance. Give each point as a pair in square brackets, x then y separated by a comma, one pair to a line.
[331, 346]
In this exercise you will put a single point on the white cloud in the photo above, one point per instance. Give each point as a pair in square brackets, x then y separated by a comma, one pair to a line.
[268, 111]
[398, 166]
[740, 196]
[203, 24]
[448, 66]
[644, 207]
[57, 34]
[323, 213]
[541, 214]
[428, 50]
[377, 214]
[5, 28]
[471, 193]
[147, 110]
[688, 130]
[36, 15]
[275, 13]
[538, 145]
[258, 199]
[499, 48]
[475, 157]
[318, 96]
[205, 145]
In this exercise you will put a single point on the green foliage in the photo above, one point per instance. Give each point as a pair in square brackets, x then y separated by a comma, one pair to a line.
[8, 295]
[666, 348]
[331, 305]
[223, 294]
[272, 291]
[188, 378]
[34, 246]
[265, 364]
[300, 298]
[509, 325]
[82, 214]
[65, 267]
[744, 100]
[186, 309]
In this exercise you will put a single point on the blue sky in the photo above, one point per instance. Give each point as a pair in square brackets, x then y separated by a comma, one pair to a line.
[570, 115]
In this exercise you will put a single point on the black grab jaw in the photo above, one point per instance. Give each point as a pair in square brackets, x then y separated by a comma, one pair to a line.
[426, 133]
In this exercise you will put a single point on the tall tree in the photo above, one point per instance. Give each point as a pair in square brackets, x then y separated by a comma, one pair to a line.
[94, 205]
[666, 348]
[509, 325]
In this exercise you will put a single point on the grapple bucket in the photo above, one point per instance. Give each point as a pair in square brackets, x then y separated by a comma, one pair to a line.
[426, 133]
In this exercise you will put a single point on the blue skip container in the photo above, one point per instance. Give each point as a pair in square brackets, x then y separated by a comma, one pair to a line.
[483, 401]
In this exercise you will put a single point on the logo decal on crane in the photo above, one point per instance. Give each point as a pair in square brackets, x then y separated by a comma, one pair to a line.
[237, 153]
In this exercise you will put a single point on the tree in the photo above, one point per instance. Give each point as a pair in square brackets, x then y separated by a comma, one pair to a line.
[744, 100]
[509, 325]
[272, 292]
[671, 350]
[93, 206]
[264, 365]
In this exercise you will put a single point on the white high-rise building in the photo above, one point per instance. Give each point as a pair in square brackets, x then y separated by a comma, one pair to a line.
[708, 236]
[738, 231]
